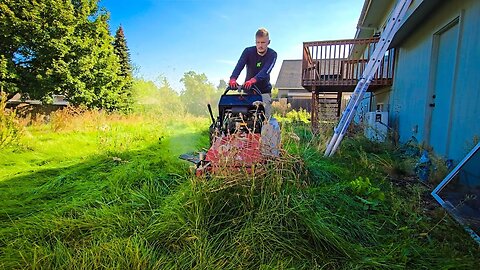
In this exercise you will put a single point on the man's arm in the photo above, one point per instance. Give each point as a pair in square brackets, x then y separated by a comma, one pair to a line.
[240, 65]
[267, 68]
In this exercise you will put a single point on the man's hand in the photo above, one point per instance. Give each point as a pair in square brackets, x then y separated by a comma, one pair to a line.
[233, 83]
[248, 84]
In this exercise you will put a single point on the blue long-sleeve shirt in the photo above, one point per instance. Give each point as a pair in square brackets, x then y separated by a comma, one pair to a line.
[257, 66]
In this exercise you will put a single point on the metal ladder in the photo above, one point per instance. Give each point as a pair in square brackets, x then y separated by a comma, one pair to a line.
[386, 37]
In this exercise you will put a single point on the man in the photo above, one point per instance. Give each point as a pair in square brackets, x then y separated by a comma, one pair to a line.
[259, 60]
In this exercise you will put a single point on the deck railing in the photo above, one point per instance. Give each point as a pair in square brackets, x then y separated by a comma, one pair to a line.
[338, 65]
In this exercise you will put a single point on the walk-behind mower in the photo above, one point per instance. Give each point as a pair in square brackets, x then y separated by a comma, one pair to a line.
[240, 137]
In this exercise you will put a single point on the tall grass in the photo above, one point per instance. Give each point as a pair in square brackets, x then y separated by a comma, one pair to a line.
[105, 191]
[248, 221]
[10, 128]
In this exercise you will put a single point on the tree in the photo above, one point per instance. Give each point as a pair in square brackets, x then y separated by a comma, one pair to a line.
[159, 101]
[122, 51]
[33, 42]
[123, 54]
[222, 85]
[7, 78]
[96, 79]
[197, 93]
[60, 47]
[171, 101]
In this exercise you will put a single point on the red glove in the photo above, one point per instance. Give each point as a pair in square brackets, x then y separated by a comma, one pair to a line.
[233, 83]
[248, 84]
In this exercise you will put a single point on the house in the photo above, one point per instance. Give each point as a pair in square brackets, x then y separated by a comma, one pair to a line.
[435, 95]
[57, 100]
[427, 82]
[34, 107]
[335, 66]
[289, 85]
[289, 80]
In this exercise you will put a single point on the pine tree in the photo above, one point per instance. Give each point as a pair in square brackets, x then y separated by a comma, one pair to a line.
[123, 54]
[122, 51]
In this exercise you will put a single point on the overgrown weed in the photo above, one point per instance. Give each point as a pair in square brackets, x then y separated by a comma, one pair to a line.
[10, 128]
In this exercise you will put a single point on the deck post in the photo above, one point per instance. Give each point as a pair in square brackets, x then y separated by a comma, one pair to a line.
[314, 112]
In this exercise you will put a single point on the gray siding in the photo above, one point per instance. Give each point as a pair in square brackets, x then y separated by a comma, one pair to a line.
[466, 103]
[415, 73]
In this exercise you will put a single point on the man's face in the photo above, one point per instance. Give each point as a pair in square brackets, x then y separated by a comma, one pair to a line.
[262, 44]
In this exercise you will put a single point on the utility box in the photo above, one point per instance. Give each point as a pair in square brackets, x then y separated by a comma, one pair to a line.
[376, 126]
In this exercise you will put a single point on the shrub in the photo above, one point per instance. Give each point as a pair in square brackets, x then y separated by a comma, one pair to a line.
[293, 116]
[299, 116]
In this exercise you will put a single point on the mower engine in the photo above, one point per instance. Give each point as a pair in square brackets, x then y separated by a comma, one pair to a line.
[238, 113]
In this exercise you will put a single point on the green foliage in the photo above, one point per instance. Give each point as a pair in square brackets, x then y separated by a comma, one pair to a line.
[368, 194]
[299, 115]
[60, 47]
[123, 54]
[274, 92]
[197, 93]
[292, 115]
[222, 85]
[162, 101]
[122, 51]
[101, 86]
[7, 76]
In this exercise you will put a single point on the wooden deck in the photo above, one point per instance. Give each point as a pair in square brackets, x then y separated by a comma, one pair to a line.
[337, 65]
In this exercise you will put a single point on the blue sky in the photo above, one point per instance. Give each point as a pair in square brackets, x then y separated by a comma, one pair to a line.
[169, 38]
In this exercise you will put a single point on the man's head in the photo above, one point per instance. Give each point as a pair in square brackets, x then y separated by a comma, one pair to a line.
[262, 40]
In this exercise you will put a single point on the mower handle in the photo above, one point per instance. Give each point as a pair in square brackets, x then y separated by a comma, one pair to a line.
[254, 88]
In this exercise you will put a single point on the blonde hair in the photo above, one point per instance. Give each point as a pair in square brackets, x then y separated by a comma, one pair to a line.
[262, 32]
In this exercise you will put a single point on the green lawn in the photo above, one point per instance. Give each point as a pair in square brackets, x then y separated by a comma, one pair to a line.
[110, 193]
